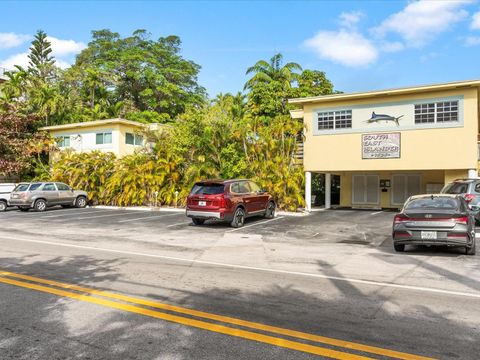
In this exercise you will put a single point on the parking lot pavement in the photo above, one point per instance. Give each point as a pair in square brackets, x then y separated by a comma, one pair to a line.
[370, 229]
[358, 227]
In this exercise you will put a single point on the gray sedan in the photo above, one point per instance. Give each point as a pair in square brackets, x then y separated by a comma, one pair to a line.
[437, 219]
[40, 195]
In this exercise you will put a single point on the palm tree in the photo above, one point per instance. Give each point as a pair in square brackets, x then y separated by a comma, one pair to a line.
[266, 72]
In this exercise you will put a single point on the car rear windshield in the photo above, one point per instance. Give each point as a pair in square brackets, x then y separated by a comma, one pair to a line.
[456, 188]
[440, 203]
[21, 187]
[207, 189]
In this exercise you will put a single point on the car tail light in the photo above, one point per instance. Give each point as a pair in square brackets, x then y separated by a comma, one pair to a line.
[457, 235]
[469, 197]
[400, 218]
[461, 220]
[222, 202]
[398, 234]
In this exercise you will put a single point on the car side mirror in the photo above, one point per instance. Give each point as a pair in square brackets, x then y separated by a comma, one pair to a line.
[474, 207]
[261, 191]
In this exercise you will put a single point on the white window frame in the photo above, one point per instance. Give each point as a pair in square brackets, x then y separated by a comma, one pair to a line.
[137, 139]
[61, 141]
[435, 112]
[103, 133]
[336, 118]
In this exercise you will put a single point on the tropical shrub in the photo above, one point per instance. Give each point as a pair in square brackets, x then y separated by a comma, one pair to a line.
[86, 171]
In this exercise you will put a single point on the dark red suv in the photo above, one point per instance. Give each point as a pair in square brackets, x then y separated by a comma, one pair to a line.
[229, 200]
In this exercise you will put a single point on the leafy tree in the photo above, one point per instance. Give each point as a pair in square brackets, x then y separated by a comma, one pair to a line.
[312, 83]
[41, 62]
[270, 86]
[151, 74]
[18, 142]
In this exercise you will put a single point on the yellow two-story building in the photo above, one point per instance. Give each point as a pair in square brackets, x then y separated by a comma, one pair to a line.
[387, 145]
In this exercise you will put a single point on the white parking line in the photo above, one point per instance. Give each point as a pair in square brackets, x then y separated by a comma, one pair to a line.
[75, 213]
[254, 268]
[146, 218]
[255, 224]
[377, 212]
[121, 213]
[178, 224]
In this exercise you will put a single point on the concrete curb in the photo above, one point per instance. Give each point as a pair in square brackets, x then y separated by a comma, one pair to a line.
[170, 209]
[138, 208]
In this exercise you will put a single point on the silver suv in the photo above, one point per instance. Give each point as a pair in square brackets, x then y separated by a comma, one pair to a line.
[40, 195]
[469, 189]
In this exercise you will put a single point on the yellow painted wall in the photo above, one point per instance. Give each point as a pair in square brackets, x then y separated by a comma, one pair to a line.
[126, 149]
[427, 177]
[421, 149]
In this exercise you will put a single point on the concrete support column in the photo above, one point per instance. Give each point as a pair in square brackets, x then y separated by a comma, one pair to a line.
[308, 190]
[328, 191]
[472, 173]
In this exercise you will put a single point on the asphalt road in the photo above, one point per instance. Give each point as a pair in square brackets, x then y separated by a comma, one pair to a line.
[110, 284]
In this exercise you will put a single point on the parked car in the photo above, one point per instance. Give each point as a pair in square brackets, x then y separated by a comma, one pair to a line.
[5, 190]
[470, 190]
[438, 219]
[41, 195]
[228, 200]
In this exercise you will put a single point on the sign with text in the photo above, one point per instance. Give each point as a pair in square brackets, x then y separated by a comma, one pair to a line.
[381, 146]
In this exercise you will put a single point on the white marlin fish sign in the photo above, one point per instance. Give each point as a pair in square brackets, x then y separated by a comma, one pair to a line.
[383, 117]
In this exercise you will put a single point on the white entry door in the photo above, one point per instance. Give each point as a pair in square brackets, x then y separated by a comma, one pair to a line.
[404, 186]
[365, 189]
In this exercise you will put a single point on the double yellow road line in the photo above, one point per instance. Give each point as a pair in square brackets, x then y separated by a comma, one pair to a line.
[129, 304]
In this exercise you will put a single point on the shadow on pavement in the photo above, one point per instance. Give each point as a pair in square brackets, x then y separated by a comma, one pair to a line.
[43, 326]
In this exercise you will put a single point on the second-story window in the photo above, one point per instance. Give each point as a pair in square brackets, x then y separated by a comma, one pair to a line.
[436, 112]
[63, 141]
[331, 120]
[103, 138]
[133, 139]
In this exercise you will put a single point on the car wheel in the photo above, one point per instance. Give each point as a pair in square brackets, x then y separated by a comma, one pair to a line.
[81, 202]
[3, 206]
[198, 221]
[399, 247]
[40, 205]
[23, 208]
[238, 218]
[471, 250]
[270, 211]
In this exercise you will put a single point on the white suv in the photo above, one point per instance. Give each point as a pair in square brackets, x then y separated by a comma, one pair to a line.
[5, 190]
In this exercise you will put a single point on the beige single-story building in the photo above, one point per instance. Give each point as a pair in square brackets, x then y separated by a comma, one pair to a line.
[119, 136]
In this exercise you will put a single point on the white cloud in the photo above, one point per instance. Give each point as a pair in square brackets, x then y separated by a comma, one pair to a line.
[65, 47]
[472, 41]
[350, 19]
[11, 40]
[392, 46]
[420, 21]
[20, 59]
[475, 25]
[62, 50]
[349, 48]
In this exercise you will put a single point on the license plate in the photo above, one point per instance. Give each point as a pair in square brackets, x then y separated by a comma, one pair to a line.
[202, 203]
[429, 235]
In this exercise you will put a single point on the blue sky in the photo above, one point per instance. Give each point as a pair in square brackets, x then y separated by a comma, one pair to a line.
[361, 45]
